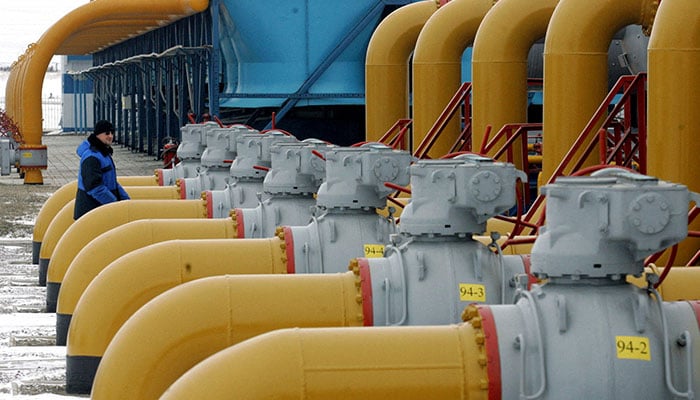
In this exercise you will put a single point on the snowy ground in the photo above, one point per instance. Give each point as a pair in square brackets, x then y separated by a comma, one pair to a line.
[31, 366]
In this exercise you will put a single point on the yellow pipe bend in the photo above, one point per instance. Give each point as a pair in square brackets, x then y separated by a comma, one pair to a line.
[110, 216]
[576, 67]
[64, 218]
[674, 62]
[386, 66]
[437, 66]
[117, 242]
[139, 276]
[499, 63]
[45, 48]
[182, 327]
[66, 193]
[443, 362]
[59, 224]
[51, 207]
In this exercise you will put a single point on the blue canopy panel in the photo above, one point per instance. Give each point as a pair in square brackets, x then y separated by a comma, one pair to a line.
[311, 50]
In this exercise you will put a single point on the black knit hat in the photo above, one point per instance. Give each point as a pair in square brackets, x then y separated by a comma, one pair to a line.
[103, 126]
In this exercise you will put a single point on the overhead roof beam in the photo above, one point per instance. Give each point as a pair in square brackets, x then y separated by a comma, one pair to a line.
[75, 34]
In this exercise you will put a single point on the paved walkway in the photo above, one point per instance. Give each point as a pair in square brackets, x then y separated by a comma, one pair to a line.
[63, 162]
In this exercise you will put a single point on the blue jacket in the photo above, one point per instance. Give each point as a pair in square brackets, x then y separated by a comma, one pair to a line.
[97, 180]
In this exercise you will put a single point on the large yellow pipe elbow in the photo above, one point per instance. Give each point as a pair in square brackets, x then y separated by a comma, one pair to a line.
[45, 48]
[576, 67]
[59, 224]
[499, 64]
[117, 242]
[437, 67]
[674, 62]
[445, 362]
[109, 216]
[127, 284]
[50, 208]
[386, 66]
[64, 220]
[66, 193]
[177, 330]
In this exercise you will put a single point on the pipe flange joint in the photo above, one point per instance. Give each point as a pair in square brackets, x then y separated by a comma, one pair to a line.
[472, 316]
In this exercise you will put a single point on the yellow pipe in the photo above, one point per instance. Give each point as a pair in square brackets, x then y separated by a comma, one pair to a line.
[386, 66]
[64, 218]
[110, 216]
[48, 211]
[444, 362]
[576, 67]
[673, 81]
[138, 180]
[127, 284]
[437, 67]
[10, 89]
[60, 223]
[681, 283]
[45, 48]
[67, 192]
[499, 65]
[200, 318]
[117, 242]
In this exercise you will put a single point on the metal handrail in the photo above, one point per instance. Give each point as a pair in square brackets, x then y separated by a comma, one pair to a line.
[461, 96]
[398, 132]
[628, 84]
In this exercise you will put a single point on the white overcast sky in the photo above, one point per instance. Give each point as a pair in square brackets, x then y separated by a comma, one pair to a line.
[24, 21]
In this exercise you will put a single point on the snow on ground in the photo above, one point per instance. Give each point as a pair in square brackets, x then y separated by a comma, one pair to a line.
[31, 366]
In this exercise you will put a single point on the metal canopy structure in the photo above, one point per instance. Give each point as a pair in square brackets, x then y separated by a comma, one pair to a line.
[149, 85]
[96, 25]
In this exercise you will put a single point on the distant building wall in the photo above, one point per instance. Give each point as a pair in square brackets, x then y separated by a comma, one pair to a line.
[78, 98]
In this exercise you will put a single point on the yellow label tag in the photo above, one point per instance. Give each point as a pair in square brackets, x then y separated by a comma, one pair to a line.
[374, 250]
[472, 292]
[633, 347]
[27, 155]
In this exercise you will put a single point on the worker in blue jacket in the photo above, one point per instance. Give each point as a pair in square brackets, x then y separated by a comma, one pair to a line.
[97, 180]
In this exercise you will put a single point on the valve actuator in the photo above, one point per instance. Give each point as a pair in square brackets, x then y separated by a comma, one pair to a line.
[356, 176]
[213, 171]
[587, 333]
[298, 169]
[246, 173]
[345, 223]
[458, 196]
[189, 152]
[606, 225]
[433, 268]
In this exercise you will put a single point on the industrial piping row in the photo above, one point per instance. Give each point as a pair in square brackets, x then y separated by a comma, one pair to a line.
[520, 350]
[491, 52]
[580, 289]
[289, 201]
[448, 247]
